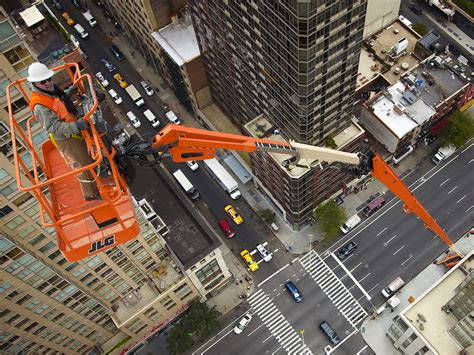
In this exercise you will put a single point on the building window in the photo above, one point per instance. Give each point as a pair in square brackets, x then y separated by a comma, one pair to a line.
[207, 273]
[183, 291]
[5, 210]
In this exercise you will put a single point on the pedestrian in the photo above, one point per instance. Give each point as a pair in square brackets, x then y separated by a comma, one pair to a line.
[56, 113]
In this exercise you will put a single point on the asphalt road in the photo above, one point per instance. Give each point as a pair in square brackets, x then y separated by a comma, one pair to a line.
[390, 244]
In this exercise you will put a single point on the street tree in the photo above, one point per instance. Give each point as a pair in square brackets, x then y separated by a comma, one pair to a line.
[267, 215]
[199, 322]
[458, 130]
[329, 217]
[420, 29]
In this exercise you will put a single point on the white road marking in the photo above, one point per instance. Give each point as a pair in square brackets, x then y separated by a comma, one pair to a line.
[470, 161]
[276, 350]
[444, 182]
[454, 188]
[399, 249]
[269, 277]
[383, 230]
[253, 331]
[361, 350]
[267, 338]
[396, 202]
[411, 256]
[362, 279]
[355, 267]
[462, 198]
[388, 241]
[373, 287]
[276, 250]
[352, 277]
[470, 208]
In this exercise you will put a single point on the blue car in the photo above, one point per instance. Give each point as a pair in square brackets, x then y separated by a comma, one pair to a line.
[290, 286]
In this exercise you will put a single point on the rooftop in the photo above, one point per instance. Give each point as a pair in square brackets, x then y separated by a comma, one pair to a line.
[440, 76]
[178, 41]
[368, 69]
[384, 41]
[259, 126]
[189, 238]
[425, 314]
[31, 16]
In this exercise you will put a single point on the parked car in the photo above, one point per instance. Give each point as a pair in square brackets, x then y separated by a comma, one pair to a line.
[415, 9]
[123, 84]
[102, 80]
[77, 3]
[108, 65]
[57, 5]
[117, 99]
[68, 19]
[232, 213]
[192, 165]
[149, 91]
[150, 116]
[266, 256]
[252, 264]
[291, 288]
[226, 228]
[244, 322]
[133, 119]
[346, 250]
[330, 333]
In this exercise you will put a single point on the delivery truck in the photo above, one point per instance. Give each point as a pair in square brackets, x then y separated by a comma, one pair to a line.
[135, 95]
[223, 178]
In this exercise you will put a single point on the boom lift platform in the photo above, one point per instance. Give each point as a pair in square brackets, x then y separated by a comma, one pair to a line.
[82, 227]
[87, 227]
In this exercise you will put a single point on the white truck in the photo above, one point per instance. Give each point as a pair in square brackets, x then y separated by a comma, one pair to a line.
[393, 287]
[443, 154]
[190, 190]
[223, 178]
[90, 19]
[135, 95]
[350, 223]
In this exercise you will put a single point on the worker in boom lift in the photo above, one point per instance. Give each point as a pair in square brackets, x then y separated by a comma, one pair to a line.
[53, 108]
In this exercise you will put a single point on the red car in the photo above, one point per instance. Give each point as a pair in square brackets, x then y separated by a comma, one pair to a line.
[225, 226]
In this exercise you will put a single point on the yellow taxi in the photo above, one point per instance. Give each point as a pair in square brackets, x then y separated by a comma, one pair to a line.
[252, 264]
[232, 213]
[68, 19]
[123, 84]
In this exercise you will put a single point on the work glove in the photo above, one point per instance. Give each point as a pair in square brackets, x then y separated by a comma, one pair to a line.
[82, 125]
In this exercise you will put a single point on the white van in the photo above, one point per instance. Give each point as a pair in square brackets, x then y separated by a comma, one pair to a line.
[152, 118]
[172, 117]
[82, 32]
[350, 223]
[393, 287]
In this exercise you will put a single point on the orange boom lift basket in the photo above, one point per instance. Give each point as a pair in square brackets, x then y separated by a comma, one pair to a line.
[83, 228]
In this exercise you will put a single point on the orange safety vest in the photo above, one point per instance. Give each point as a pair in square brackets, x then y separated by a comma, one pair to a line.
[57, 106]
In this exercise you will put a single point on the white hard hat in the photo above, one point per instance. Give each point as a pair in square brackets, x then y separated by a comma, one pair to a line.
[38, 72]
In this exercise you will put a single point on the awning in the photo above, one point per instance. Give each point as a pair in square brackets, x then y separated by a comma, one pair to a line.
[31, 16]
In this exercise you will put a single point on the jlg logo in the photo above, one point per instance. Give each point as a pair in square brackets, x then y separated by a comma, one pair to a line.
[100, 245]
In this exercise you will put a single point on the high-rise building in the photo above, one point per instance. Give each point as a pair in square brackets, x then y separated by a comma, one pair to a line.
[51, 305]
[162, 32]
[294, 62]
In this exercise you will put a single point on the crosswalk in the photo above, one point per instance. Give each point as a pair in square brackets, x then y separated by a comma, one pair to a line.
[277, 324]
[333, 288]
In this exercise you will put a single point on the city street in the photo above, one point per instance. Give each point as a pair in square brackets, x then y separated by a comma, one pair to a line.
[391, 244]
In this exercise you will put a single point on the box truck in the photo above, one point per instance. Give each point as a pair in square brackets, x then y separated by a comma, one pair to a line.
[223, 178]
[135, 95]
[393, 287]
[90, 19]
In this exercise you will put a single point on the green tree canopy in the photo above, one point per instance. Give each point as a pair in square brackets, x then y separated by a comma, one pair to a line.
[459, 130]
[420, 29]
[199, 322]
[267, 215]
[330, 217]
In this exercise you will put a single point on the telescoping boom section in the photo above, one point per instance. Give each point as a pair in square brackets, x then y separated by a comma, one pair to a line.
[83, 228]
[184, 143]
